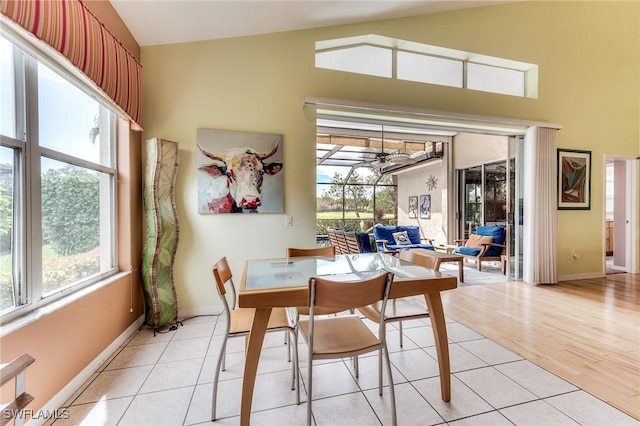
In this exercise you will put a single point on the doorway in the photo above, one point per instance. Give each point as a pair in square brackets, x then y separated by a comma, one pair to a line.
[619, 216]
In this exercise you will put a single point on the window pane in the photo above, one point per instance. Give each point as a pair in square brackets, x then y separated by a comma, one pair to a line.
[7, 93]
[429, 69]
[87, 135]
[9, 256]
[495, 80]
[76, 224]
[370, 60]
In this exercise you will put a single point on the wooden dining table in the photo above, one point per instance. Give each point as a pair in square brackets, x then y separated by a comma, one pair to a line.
[283, 282]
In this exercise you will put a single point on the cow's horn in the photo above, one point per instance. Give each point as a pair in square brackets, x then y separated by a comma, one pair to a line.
[273, 151]
[209, 155]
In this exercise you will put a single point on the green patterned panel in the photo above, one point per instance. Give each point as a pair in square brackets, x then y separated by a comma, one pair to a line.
[161, 235]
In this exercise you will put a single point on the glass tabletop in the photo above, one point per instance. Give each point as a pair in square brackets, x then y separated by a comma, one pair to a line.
[295, 272]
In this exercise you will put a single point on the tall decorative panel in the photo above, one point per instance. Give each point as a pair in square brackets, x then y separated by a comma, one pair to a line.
[161, 234]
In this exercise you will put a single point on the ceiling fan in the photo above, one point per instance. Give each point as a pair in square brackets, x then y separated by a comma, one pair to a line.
[387, 159]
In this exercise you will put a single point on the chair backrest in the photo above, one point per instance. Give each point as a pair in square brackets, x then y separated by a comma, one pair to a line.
[498, 233]
[424, 260]
[353, 245]
[345, 295]
[333, 237]
[318, 251]
[222, 275]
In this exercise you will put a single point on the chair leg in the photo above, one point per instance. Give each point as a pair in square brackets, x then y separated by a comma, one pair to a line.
[309, 388]
[295, 368]
[380, 372]
[392, 393]
[401, 342]
[356, 366]
[219, 366]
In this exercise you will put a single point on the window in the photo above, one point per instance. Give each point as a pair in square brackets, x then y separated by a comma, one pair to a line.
[354, 198]
[405, 60]
[484, 195]
[57, 184]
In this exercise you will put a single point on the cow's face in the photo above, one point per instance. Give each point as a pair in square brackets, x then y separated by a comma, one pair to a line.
[245, 169]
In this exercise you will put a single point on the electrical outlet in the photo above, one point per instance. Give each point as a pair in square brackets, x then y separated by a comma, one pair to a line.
[288, 221]
[576, 254]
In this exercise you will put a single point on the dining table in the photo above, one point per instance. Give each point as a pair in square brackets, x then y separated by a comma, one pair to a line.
[283, 282]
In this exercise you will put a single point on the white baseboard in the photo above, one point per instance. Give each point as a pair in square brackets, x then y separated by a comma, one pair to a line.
[581, 276]
[58, 400]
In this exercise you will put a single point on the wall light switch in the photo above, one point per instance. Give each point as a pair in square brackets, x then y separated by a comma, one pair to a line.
[288, 221]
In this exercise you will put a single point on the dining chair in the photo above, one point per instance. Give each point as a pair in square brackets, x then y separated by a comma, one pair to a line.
[239, 322]
[401, 309]
[343, 336]
[316, 251]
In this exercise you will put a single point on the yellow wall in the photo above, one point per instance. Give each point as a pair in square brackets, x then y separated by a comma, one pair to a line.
[588, 57]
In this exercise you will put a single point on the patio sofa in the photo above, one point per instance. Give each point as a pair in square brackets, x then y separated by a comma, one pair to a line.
[393, 238]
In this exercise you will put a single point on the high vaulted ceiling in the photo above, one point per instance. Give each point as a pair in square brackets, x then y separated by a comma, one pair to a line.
[154, 22]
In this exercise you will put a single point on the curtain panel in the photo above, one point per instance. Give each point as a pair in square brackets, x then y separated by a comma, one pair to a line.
[540, 211]
[72, 30]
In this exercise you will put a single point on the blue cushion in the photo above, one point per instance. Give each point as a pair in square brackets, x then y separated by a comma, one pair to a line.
[469, 251]
[498, 234]
[365, 242]
[413, 232]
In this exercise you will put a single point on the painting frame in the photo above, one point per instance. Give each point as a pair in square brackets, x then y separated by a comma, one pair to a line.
[239, 172]
[425, 206]
[413, 207]
[574, 179]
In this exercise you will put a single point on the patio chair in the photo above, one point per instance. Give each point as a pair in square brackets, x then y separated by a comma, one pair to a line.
[486, 244]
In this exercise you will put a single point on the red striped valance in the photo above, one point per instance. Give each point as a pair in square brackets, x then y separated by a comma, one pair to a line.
[70, 28]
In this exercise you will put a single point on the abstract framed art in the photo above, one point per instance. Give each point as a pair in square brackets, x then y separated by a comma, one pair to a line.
[239, 172]
[425, 206]
[574, 179]
[413, 207]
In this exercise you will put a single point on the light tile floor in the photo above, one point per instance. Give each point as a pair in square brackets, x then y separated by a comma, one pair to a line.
[167, 380]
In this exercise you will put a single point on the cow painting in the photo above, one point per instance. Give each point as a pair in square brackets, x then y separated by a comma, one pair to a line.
[233, 180]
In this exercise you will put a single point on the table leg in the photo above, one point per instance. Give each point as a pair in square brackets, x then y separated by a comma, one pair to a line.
[436, 313]
[256, 337]
[461, 270]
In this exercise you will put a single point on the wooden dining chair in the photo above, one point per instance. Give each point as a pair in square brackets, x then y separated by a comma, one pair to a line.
[316, 251]
[401, 309]
[239, 322]
[331, 337]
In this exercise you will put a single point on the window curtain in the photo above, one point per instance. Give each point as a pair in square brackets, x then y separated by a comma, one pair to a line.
[72, 30]
[540, 213]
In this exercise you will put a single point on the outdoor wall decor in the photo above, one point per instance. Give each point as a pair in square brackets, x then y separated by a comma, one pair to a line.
[432, 182]
[425, 206]
[239, 172]
[413, 206]
[574, 179]
[161, 233]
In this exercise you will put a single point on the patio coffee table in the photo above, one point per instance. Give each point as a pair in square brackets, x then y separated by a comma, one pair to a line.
[444, 257]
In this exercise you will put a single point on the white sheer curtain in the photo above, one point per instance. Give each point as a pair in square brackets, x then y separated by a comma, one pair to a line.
[540, 213]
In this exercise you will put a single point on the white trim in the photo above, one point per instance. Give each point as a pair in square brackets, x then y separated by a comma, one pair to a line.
[432, 118]
[76, 383]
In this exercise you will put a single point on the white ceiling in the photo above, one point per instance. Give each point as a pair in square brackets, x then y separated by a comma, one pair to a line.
[154, 22]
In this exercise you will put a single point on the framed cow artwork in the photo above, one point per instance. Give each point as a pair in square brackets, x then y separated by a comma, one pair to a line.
[239, 172]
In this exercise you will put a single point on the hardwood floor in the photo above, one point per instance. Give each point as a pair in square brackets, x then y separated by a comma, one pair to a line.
[585, 331]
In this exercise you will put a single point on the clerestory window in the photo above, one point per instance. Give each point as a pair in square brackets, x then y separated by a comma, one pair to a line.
[404, 60]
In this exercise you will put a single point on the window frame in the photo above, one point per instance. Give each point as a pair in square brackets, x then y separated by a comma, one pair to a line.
[27, 203]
